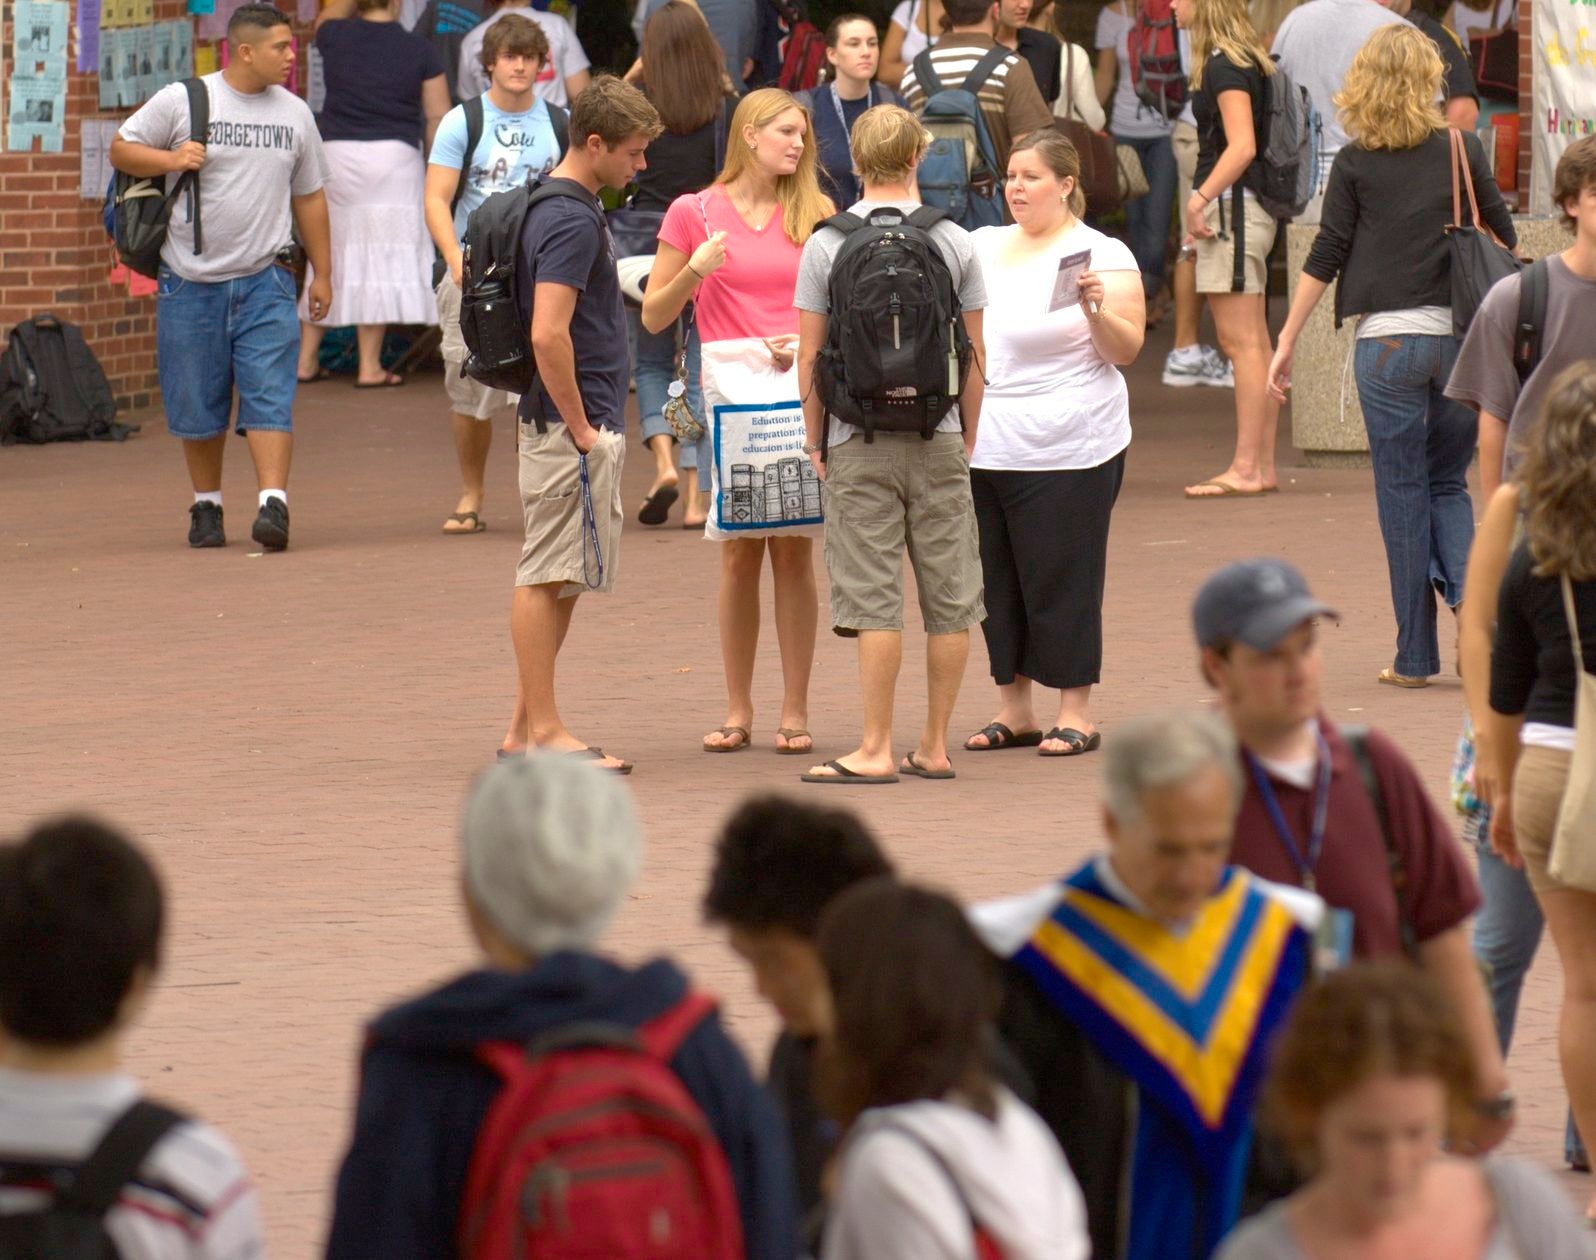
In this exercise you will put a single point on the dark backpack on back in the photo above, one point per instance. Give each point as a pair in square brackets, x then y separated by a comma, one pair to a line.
[52, 388]
[1286, 172]
[138, 207]
[594, 1147]
[1155, 69]
[896, 354]
[493, 315]
[72, 1227]
[1531, 323]
[959, 173]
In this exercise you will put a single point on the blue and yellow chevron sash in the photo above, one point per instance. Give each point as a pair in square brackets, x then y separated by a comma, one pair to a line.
[1186, 1017]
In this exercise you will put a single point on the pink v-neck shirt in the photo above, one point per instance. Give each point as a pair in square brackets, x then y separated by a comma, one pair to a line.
[751, 295]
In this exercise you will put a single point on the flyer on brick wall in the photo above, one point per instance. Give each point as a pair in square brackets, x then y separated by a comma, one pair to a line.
[110, 59]
[144, 42]
[38, 110]
[39, 38]
[88, 35]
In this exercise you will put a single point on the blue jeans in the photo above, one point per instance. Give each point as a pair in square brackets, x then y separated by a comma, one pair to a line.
[1147, 218]
[654, 367]
[1506, 934]
[1420, 442]
[211, 337]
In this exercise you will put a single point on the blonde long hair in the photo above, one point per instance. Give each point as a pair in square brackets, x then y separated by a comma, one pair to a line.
[1227, 26]
[1388, 100]
[802, 203]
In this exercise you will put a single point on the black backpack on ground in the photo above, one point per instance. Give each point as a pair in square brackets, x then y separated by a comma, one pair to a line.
[52, 388]
[1531, 323]
[493, 316]
[138, 207]
[72, 1227]
[896, 353]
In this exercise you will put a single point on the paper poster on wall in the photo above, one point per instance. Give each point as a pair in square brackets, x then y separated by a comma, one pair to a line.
[182, 40]
[213, 25]
[144, 42]
[205, 59]
[88, 23]
[110, 60]
[1564, 97]
[39, 35]
[38, 76]
[127, 71]
[38, 112]
[94, 167]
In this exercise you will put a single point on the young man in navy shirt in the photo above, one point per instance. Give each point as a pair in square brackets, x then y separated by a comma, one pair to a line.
[571, 447]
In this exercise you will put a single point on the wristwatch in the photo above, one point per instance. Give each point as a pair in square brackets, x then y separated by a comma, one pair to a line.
[810, 448]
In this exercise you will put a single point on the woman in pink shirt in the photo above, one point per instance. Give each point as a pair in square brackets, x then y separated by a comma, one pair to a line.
[733, 252]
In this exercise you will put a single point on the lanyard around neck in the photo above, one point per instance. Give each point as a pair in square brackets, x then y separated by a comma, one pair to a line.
[1306, 863]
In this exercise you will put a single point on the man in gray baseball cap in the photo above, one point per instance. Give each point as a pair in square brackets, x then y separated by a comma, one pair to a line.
[1340, 812]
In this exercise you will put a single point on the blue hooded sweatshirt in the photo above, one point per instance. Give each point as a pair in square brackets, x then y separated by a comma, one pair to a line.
[423, 1097]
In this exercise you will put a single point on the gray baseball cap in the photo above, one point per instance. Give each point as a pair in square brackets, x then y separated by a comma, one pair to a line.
[1257, 602]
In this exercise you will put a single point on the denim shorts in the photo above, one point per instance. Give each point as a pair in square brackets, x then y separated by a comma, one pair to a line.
[211, 337]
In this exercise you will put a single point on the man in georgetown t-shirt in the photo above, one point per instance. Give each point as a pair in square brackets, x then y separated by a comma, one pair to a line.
[225, 313]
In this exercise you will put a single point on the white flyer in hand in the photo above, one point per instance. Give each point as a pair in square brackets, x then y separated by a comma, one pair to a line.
[1067, 284]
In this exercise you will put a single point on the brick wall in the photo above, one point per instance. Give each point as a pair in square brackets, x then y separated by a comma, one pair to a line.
[1526, 104]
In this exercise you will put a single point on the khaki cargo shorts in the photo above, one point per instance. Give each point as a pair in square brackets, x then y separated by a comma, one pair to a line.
[558, 548]
[467, 397]
[1216, 255]
[902, 491]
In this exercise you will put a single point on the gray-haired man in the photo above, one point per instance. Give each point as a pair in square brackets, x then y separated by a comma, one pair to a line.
[1140, 993]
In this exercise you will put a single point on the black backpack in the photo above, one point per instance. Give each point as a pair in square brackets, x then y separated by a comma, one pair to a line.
[52, 388]
[1532, 290]
[896, 353]
[72, 1227]
[493, 316]
[138, 207]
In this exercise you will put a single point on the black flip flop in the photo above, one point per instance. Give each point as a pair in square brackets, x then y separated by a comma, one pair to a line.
[1076, 742]
[598, 754]
[657, 508]
[388, 381]
[850, 777]
[912, 767]
[999, 736]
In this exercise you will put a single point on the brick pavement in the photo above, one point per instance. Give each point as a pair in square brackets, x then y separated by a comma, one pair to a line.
[293, 734]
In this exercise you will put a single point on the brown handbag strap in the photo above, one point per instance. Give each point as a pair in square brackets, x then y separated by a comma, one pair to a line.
[1456, 142]
[1573, 624]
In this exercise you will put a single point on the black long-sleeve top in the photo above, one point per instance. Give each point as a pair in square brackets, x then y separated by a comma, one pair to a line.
[1383, 230]
[1532, 661]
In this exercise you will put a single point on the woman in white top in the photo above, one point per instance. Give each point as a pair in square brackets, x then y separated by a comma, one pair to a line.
[1050, 452]
[915, 26]
[939, 1161]
[1373, 1088]
[1147, 131]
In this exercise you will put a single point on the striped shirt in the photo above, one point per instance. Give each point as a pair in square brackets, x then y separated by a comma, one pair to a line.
[1011, 102]
[191, 1200]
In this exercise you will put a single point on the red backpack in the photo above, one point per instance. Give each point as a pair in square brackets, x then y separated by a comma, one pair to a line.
[805, 57]
[1155, 69]
[594, 1148]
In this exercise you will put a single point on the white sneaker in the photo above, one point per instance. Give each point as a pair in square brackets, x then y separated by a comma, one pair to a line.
[1186, 366]
[1217, 370]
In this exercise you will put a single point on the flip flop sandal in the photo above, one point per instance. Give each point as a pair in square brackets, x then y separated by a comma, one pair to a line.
[999, 736]
[1393, 679]
[388, 381]
[724, 731]
[598, 754]
[465, 518]
[851, 778]
[912, 767]
[1228, 491]
[1075, 742]
[510, 754]
[790, 733]
[657, 507]
[322, 374]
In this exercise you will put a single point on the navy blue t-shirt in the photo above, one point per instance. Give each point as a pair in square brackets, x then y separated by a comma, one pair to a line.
[566, 242]
[374, 73]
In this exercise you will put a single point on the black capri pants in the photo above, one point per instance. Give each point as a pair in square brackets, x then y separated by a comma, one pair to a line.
[1044, 554]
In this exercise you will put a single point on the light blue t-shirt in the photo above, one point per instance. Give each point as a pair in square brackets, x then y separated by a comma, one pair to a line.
[514, 149]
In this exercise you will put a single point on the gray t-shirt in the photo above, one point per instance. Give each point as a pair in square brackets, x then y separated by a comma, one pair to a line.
[1485, 375]
[260, 150]
[814, 280]
[1535, 1220]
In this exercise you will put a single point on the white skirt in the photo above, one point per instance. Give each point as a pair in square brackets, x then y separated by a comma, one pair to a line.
[381, 252]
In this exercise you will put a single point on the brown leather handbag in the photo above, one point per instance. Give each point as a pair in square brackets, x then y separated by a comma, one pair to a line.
[1099, 162]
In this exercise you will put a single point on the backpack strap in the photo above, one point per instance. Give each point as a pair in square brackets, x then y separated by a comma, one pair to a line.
[118, 1157]
[844, 222]
[976, 79]
[546, 190]
[985, 1245]
[1532, 294]
[1357, 738]
[925, 74]
[474, 124]
[927, 217]
[663, 1035]
[560, 120]
[199, 128]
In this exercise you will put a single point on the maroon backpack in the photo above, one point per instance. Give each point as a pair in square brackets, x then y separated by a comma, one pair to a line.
[595, 1148]
[805, 57]
[1155, 69]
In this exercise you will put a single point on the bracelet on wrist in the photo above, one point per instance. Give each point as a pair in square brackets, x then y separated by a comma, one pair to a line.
[695, 271]
[1206, 198]
[1500, 1107]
